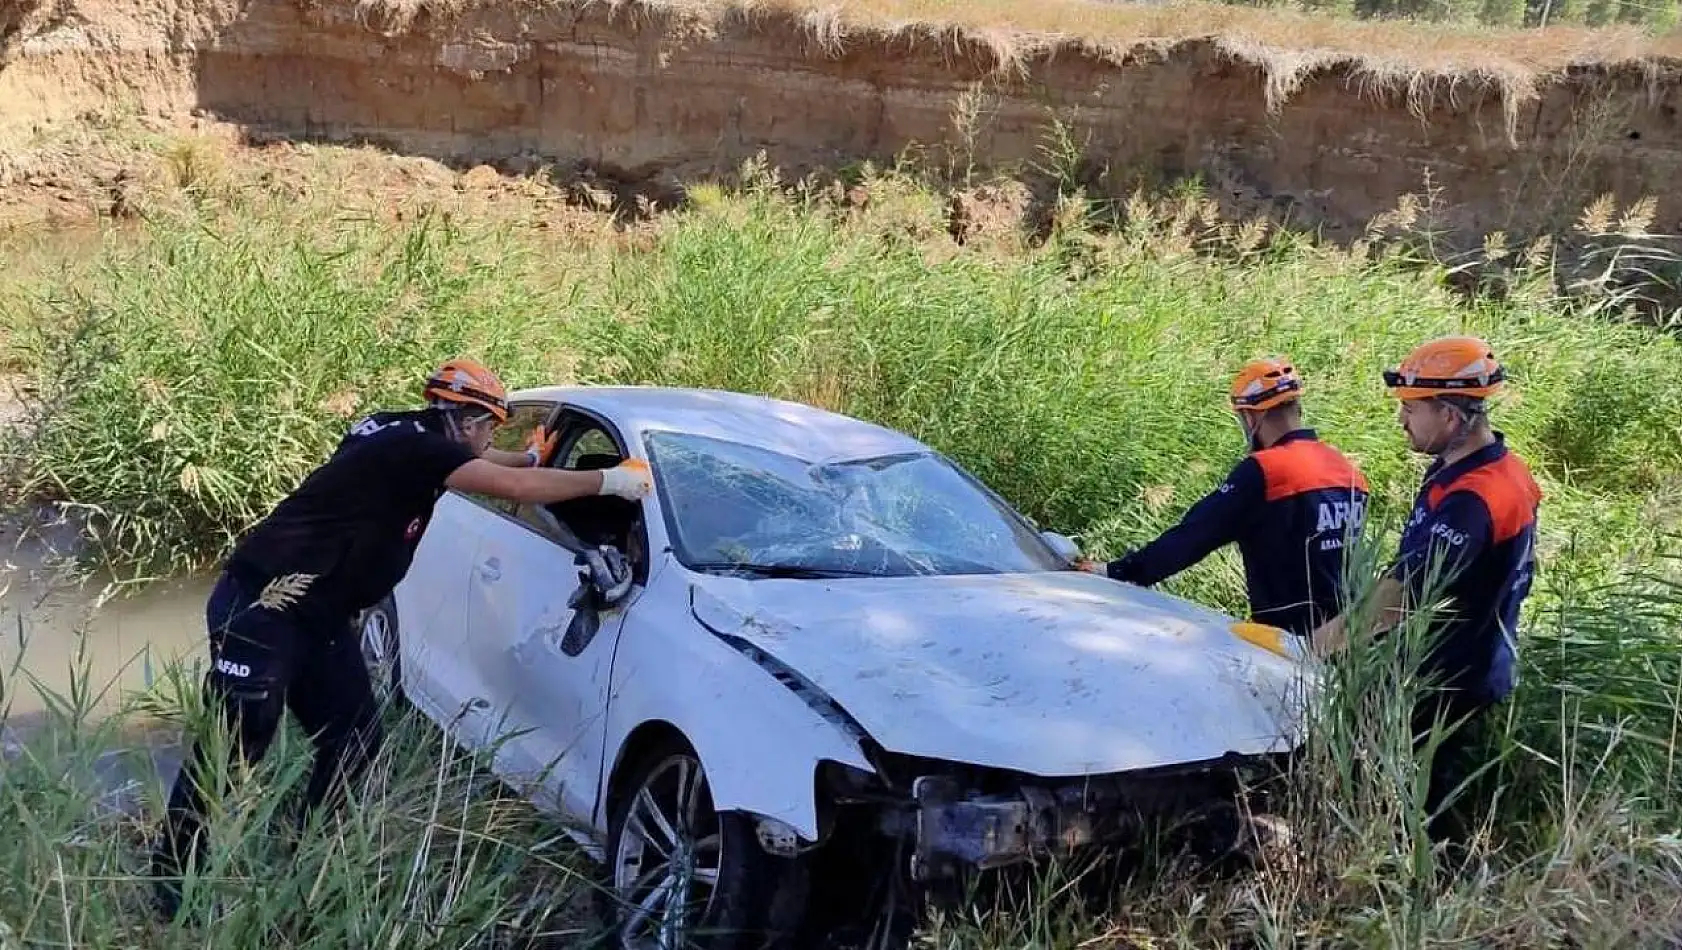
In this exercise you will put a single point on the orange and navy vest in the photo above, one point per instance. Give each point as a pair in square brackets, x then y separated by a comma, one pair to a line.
[1476, 521]
[1292, 509]
[1314, 503]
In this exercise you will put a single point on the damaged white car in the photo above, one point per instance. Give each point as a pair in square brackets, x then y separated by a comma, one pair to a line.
[818, 642]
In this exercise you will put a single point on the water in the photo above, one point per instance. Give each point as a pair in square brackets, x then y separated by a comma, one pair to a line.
[60, 633]
[56, 629]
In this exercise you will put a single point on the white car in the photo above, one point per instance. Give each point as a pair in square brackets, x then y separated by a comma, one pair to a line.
[823, 640]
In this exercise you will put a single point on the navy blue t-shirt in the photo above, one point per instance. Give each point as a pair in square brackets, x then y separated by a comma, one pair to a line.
[353, 525]
[1292, 508]
[1470, 540]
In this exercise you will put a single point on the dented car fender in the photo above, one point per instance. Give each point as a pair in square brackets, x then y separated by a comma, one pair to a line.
[759, 741]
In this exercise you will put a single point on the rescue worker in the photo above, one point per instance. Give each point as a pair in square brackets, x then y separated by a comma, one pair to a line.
[1291, 505]
[280, 614]
[1469, 543]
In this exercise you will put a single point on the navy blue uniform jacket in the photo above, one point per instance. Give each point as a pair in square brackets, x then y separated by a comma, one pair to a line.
[1470, 542]
[1292, 508]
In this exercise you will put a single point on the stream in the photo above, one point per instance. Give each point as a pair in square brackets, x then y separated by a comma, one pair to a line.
[52, 625]
[58, 634]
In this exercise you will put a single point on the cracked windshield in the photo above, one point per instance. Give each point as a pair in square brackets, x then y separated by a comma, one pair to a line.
[734, 506]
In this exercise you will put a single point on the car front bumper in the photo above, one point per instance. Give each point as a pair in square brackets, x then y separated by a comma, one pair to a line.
[952, 828]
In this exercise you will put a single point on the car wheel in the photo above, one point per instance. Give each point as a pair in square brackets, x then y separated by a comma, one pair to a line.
[680, 874]
[377, 635]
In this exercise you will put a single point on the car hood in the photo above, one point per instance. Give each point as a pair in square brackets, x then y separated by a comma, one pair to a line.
[1053, 674]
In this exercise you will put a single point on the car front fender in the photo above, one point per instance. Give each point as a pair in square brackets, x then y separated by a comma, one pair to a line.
[760, 734]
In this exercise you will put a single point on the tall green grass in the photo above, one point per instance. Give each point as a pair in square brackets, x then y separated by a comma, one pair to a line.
[429, 851]
[196, 375]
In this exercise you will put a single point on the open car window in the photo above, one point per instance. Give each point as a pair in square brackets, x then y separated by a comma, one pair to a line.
[595, 519]
[727, 503]
[594, 449]
[511, 436]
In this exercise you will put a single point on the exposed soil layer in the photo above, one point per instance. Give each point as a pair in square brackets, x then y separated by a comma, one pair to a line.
[658, 95]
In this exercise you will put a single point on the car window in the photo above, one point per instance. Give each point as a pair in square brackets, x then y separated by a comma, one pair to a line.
[594, 442]
[589, 521]
[903, 514]
[511, 437]
[522, 418]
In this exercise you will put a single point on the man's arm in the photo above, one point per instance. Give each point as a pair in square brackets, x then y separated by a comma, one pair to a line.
[538, 448]
[629, 479]
[508, 459]
[1332, 636]
[1217, 519]
[1449, 540]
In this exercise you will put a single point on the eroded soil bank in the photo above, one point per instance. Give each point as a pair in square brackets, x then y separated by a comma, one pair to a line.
[657, 96]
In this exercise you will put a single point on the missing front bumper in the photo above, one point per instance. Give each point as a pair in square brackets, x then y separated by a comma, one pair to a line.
[986, 832]
[953, 828]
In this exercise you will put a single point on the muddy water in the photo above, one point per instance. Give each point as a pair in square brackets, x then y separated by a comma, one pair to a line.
[94, 643]
[59, 633]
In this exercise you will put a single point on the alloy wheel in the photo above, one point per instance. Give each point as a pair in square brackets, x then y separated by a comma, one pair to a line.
[667, 863]
[379, 652]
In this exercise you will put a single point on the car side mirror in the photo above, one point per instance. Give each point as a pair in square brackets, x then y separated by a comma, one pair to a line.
[607, 572]
[1065, 546]
[604, 578]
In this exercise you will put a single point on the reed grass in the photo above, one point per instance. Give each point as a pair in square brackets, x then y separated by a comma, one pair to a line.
[195, 374]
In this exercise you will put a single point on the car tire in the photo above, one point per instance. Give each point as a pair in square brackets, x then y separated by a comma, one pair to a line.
[380, 643]
[756, 900]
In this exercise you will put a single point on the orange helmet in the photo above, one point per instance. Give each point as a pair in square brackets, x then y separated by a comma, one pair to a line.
[466, 382]
[1264, 383]
[1447, 366]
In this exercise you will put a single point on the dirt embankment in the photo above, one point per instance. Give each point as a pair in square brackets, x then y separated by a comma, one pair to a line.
[658, 94]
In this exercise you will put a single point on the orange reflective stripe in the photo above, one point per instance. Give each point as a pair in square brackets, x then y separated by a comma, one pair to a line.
[1298, 467]
[1507, 490]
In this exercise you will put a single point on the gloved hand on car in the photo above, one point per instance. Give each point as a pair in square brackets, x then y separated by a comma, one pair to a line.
[630, 479]
[540, 446]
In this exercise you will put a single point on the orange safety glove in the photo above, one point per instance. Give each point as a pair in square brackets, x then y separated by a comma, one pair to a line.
[540, 445]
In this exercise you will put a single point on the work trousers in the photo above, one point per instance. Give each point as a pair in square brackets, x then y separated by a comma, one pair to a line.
[264, 662]
[1457, 757]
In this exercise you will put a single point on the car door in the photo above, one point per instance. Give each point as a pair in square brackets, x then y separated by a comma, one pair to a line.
[465, 686]
[547, 681]
[432, 609]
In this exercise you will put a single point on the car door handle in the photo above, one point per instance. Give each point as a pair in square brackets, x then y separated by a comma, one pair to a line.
[491, 570]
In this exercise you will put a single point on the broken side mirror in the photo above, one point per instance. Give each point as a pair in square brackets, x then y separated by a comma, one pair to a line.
[609, 572]
[604, 578]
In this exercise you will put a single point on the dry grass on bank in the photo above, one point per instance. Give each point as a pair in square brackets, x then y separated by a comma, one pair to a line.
[1024, 28]
[1429, 64]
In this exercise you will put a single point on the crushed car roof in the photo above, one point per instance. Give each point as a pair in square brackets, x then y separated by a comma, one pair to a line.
[792, 428]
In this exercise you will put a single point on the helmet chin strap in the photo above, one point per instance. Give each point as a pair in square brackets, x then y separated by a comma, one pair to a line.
[455, 420]
[1251, 437]
[1451, 443]
[1465, 428]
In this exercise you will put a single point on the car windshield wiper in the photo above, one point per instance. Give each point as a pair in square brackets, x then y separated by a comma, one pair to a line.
[779, 570]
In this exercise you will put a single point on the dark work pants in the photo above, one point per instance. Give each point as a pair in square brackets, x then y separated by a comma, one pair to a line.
[1456, 759]
[264, 662]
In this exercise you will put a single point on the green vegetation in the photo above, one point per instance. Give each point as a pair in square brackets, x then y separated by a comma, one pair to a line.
[203, 366]
[436, 854]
